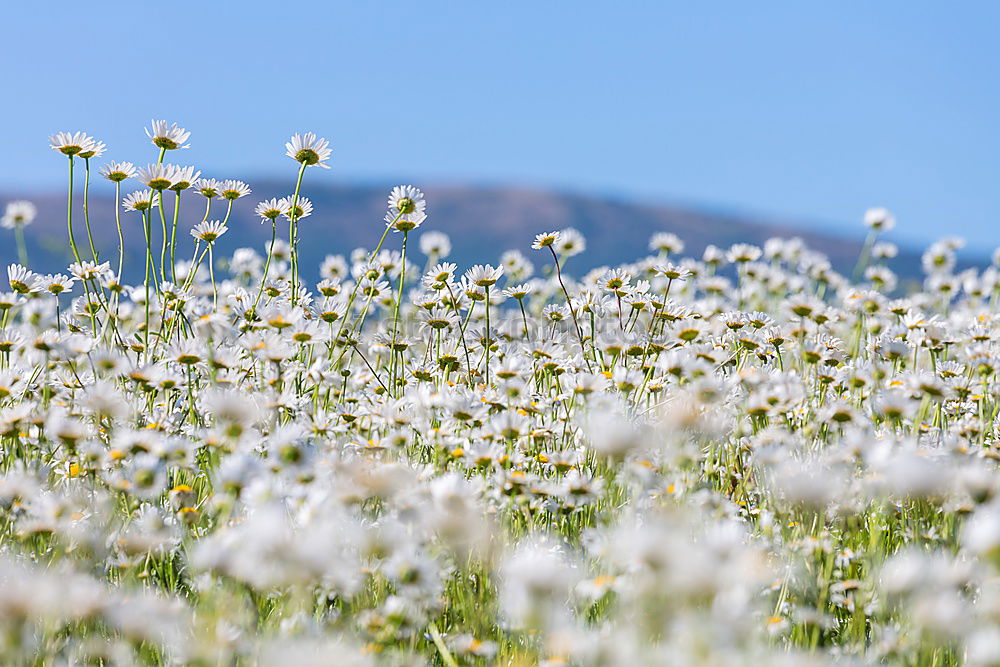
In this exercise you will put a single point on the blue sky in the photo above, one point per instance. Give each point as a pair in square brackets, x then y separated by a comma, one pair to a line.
[803, 111]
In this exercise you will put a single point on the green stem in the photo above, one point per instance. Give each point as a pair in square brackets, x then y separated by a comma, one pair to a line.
[293, 241]
[572, 310]
[118, 223]
[69, 214]
[149, 259]
[22, 249]
[395, 317]
[488, 337]
[461, 328]
[267, 266]
[211, 272]
[86, 205]
[173, 236]
[163, 245]
[446, 656]
[357, 284]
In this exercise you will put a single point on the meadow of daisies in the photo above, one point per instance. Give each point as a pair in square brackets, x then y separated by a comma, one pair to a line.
[745, 458]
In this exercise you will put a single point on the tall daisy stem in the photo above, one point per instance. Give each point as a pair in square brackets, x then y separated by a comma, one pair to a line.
[149, 259]
[173, 236]
[572, 310]
[86, 205]
[166, 239]
[267, 265]
[69, 214]
[22, 249]
[118, 223]
[488, 337]
[395, 317]
[293, 241]
[211, 272]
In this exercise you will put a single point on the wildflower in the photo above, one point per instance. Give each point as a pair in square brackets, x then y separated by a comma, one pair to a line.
[270, 209]
[309, 150]
[545, 240]
[140, 200]
[518, 292]
[405, 200]
[232, 190]
[303, 208]
[96, 149]
[209, 231]
[57, 283]
[157, 176]
[207, 187]
[89, 270]
[879, 219]
[184, 178]
[167, 137]
[71, 143]
[18, 214]
[116, 172]
[666, 243]
[484, 275]
[570, 243]
[23, 280]
[435, 244]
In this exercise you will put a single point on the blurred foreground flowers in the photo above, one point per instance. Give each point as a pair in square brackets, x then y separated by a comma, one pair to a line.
[741, 459]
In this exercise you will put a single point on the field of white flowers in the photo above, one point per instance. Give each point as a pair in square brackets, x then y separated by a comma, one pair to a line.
[742, 459]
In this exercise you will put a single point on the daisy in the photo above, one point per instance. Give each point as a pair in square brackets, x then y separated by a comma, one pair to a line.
[116, 172]
[71, 144]
[209, 232]
[57, 283]
[879, 219]
[666, 243]
[232, 190]
[23, 280]
[484, 275]
[96, 149]
[89, 270]
[157, 176]
[405, 222]
[18, 214]
[545, 240]
[570, 243]
[207, 187]
[441, 272]
[140, 200]
[740, 253]
[303, 208]
[184, 178]
[309, 150]
[672, 271]
[168, 138]
[270, 209]
[406, 199]
[518, 292]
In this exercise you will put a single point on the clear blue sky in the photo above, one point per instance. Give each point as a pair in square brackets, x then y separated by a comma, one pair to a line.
[809, 111]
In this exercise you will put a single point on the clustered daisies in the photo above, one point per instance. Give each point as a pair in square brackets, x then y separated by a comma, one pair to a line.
[743, 458]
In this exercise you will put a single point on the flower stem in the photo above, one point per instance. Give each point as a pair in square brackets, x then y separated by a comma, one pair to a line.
[488, 337]
[118, 223]
[173, 236]
[395, 317]
[22, 249]
[149, 259]
[572, 310]
[163, 245]
[69, 213]
[86, 206]
[267, 266]
[293, 241]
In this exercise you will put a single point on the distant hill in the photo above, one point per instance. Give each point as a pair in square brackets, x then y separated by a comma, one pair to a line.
[481, 221]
